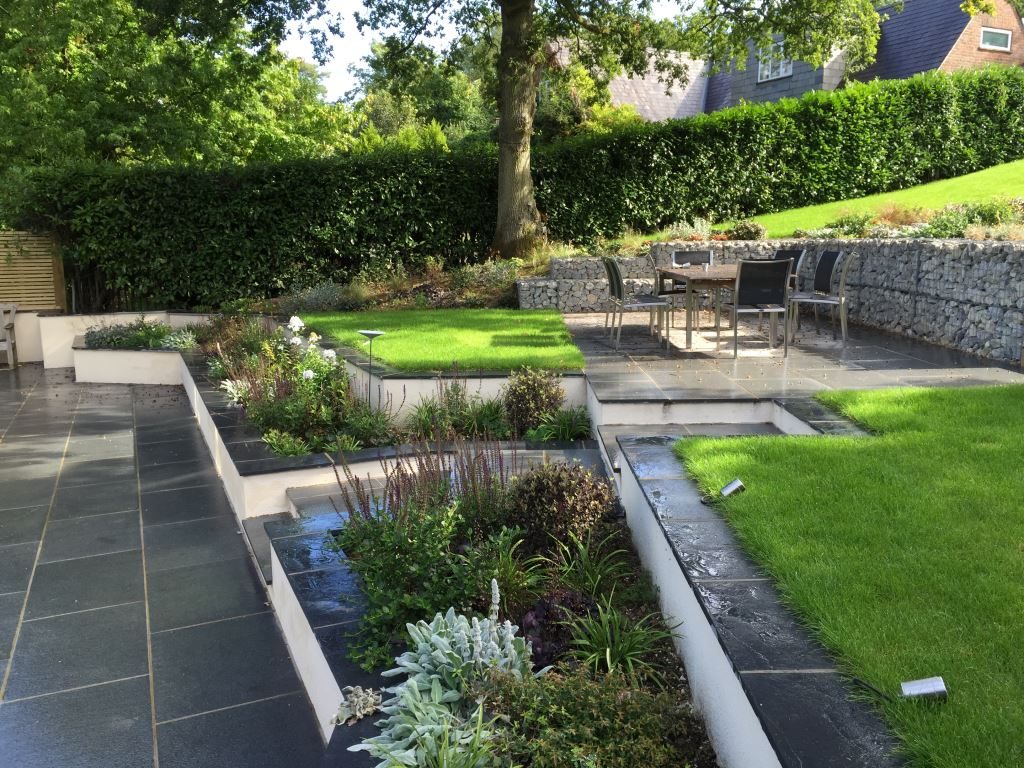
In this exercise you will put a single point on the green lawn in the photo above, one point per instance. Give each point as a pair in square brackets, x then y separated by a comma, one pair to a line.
[1005, 180]
[904, 551]
[471, 339]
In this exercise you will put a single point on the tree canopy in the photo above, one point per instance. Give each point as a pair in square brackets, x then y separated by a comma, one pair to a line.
[97, 80]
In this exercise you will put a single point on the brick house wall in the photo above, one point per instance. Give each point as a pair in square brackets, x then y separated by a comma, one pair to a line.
[967, 52]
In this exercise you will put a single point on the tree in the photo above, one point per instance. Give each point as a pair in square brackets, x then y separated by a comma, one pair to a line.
[96, 81]
[604, 34]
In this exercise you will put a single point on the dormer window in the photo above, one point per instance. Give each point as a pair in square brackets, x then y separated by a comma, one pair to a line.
[773, 64]
[995, 39]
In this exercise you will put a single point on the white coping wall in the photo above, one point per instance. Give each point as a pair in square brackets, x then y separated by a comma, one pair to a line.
[733, 727]
[958, 293]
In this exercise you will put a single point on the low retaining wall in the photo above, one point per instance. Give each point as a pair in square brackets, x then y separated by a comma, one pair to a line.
[963, 294]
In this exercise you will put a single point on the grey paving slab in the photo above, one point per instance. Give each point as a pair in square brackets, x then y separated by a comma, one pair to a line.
[106, 726]
[266, 734]
[10, 612]
[16, 562]
[170, 451]
[102, 447]
[813, 723]
[184, 504]
[97, 499]
[18, 526]
[196, 542]
[89, 536]
[195, 594]
[181, 474]
[98, 471]
[194, 674]
[28, 492]
[78, 649]
[85, 584]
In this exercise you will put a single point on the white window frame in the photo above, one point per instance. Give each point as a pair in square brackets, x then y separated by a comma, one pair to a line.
[771, 66]
[987, 47]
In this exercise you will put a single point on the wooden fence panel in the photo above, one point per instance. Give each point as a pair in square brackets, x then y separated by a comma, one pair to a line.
[31, 272]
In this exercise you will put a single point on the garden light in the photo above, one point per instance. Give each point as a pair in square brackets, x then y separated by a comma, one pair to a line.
[734, 487]
[371, 335]
[926, 688]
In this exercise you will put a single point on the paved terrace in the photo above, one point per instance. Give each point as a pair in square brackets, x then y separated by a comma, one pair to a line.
[133, 629]
[641, 370]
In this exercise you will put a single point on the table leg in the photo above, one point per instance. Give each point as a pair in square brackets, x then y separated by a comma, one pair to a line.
[689, 314]
[718, 309]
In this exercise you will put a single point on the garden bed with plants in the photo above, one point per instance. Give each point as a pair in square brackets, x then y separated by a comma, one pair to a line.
[519, 624]
[303, 399]
[902, 554]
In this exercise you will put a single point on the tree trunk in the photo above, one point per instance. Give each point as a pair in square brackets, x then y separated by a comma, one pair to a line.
[518, 227]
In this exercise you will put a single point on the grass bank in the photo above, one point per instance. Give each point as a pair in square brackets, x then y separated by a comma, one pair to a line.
[470, 339]
[904, 551]
[1005, 180]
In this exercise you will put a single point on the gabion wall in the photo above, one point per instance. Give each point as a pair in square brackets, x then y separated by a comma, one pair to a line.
[963, 294]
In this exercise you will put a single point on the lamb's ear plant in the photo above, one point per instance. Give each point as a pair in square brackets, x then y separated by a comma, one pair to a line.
[433, 719]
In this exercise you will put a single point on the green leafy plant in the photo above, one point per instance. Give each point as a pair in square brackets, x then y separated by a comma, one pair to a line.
[565, 425]
[610, 641]
[433, 719]
[568, 721]
[553, 501]
[521, 577]
[529, 396]
[748, 230]
[285, 444]
[586, 567]
[139, 334]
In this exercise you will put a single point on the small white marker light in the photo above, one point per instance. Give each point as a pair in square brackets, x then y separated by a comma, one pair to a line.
[926, 688]
[734, 487]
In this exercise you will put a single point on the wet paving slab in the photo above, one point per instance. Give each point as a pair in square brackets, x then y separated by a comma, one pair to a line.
[134, 630]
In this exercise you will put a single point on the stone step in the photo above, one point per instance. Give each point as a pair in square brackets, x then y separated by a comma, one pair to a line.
[259, 542]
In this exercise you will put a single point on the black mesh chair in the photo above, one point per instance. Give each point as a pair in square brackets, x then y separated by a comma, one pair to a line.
[762, 287]
[667, 286]
[796, 255]
[621, 301]
[822, 295]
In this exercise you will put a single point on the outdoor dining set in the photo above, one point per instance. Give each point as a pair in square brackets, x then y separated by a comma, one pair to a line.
[772, 287]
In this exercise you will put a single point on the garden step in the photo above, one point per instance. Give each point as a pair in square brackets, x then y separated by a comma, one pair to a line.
[259, 542]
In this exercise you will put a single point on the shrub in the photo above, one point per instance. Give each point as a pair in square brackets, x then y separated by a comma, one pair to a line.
[565, 424]
[325, 297]
[529, 396]
[609, 641]
[555, 501]
[573, 720]
[748, 230]
[139, 334]
[584, 566]
[182, 339]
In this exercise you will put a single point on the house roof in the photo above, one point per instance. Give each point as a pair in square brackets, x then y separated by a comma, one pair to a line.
[648, 93]
[916, 39]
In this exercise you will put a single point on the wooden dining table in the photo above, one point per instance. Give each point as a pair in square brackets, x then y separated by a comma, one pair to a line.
[713, 277]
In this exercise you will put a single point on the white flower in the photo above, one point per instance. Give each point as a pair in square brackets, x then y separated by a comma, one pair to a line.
[295, 341]
[329, 354]
[313, 337]
[308, 374]
[296, 324]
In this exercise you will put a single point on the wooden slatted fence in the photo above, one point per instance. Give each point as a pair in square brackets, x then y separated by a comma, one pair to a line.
[31, 272]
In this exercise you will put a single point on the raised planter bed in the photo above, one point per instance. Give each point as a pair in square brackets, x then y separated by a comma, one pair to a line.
[771, 696]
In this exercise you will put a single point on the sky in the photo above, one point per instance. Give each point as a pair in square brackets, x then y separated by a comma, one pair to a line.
[354, 46]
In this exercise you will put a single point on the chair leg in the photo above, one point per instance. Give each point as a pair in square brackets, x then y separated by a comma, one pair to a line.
[735, 334]
[817, 326]
[785, 338]
[618, 333]
[773, 329]
[833, 313]
[843, 319]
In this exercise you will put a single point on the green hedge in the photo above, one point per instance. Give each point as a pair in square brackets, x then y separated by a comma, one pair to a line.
[187, 237]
